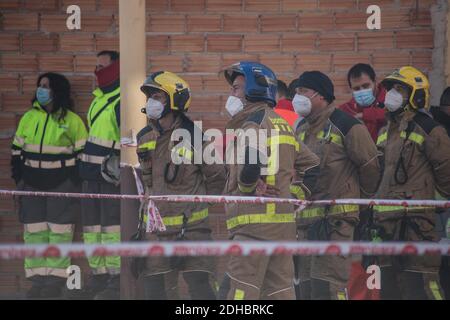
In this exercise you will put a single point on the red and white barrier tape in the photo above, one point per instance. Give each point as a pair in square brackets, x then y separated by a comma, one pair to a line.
[231, 199]
[221, 248]
[154, 220]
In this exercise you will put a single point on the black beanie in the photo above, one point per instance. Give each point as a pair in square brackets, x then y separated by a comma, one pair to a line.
[319, 82]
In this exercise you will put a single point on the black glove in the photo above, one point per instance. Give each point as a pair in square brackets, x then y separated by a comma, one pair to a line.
[319, 230]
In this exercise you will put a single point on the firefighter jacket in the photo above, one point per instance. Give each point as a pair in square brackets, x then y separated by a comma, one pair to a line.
[104, 133]
[289, 166]
[416, 160]
[164, 173]
[349, 165]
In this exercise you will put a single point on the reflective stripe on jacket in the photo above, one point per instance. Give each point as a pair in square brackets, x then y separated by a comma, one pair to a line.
[104, 133]
[45, 148]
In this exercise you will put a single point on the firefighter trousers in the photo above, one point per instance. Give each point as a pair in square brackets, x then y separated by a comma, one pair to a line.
[258, 277]
[161, 273]
[409, 285]
[325, 277]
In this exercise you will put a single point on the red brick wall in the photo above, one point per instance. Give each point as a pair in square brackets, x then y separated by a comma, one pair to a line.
[195, 38]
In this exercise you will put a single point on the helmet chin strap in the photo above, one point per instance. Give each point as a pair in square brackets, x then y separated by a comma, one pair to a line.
[398, 112]
[164, 114]
[247, 101]
[166, 111]
[158, 127]
[394, 114]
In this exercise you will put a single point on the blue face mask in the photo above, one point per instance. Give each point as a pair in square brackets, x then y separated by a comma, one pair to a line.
[43, 96]
[364, 97]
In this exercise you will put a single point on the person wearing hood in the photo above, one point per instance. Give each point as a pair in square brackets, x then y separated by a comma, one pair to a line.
[416, 158]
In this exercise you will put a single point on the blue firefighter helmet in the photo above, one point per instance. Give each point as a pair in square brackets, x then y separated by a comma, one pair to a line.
[260, 81]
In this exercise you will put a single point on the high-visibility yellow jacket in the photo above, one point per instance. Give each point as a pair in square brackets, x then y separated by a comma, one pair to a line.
[104, 133]
[45, 148]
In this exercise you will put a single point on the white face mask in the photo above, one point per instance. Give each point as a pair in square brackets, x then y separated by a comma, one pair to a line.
[234, 105]
[302, 105]
[393, 100]
[154, 109]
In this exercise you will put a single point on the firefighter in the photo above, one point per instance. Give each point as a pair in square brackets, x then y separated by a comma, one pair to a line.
[168, 99]
[416, 161]
[44, 158]
[441, 114]
[349, 168]
[261, 171]
[99, 170]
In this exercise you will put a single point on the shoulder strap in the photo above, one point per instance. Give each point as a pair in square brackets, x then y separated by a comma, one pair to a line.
[144, 131]
[343, 121]
[189, 125]
[425, 122]
[257, 117]
[298, 123]
[402, 179]
[327, 129]
[409, 129]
